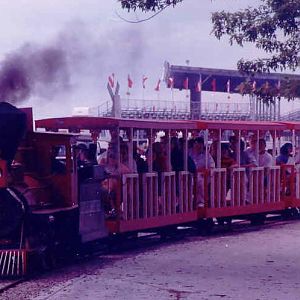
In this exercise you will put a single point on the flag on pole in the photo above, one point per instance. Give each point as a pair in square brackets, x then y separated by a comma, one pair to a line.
[254, 86]
[171, 82]
[186, 83]
[228, 86]
[130, 82]
[278, 87]
[144, 80]
[199, 86]
[157, 88]
[213, 85]
[111, 80]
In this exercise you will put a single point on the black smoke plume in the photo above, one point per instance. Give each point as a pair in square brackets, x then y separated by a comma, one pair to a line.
[30, 69]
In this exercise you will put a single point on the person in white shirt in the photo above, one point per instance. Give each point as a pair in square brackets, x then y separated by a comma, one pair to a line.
[250, 152]
[198, 155]
[265, 159]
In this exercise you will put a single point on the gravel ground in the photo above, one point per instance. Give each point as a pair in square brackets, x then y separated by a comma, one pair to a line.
[251, 264]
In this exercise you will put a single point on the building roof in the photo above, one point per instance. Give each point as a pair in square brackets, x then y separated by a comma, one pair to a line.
[219, 76]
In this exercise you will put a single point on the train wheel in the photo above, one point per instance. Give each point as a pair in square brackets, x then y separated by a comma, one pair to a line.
[290, 213]
[224, 221]
[205, 226]
[258, 219]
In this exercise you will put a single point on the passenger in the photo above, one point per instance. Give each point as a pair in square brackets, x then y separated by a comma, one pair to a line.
[176, 155]
[177, 161]
[228, 163]
[251, 151]
[265, 159]
[213, 150]
[198, 155]
[285, 157]
[141, 163]
[158, 163]
[233, 146]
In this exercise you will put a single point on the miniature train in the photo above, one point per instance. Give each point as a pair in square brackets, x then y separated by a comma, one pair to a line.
[76, 180]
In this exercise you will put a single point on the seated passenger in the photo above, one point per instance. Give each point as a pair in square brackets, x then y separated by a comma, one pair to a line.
[251, 152]
[227, 162]
[198, 155]
[285, 156]
[265, 159]
[141, 163]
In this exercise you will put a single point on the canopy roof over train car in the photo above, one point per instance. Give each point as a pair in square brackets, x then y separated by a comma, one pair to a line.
[75, 124]
[241, 125]
[292, 125]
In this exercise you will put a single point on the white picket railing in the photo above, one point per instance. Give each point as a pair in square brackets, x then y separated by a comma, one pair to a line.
[130, 196]
[186, 199]
[238, 187]
[218, 188]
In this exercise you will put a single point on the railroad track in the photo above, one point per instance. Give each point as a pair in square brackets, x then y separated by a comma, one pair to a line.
[8, 284]
[130, 247]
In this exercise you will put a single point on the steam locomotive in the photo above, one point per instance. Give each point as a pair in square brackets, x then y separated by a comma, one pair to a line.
[39, 211]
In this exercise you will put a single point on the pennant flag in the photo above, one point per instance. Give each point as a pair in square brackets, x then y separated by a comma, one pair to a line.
[157, 85]
[130, 82]
[144, 80]
[186, 83]
[214, 85]
[278, 87]
[266, 87]
[254, 85]
[228, 86]
[111, 80]
[199, 86]
[171, 82]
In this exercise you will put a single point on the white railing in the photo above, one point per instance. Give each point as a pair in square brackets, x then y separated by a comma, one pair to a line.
[272, 177]
[150, 195]
[130, 196]
[168, 193]
[256, 185]
[218, 188]
[238, 187]
[186, 200]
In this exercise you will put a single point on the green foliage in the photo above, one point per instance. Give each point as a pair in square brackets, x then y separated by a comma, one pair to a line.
[273, 27]
[147, 5]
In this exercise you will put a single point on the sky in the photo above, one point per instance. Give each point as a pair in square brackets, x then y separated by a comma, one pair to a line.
[88, 41]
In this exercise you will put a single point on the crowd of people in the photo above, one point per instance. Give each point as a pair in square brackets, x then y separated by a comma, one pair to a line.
[200, 157]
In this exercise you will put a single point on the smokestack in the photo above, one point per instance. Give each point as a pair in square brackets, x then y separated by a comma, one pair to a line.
[12, 130]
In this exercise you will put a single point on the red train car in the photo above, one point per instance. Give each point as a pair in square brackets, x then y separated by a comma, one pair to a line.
[80, 179]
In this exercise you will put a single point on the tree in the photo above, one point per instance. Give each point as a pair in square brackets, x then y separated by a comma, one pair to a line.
[148, 5]
[273, 26]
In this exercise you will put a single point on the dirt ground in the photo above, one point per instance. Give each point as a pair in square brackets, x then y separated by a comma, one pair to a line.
[256, 263]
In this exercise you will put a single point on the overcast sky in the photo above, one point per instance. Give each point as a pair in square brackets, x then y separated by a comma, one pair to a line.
[97, 43]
